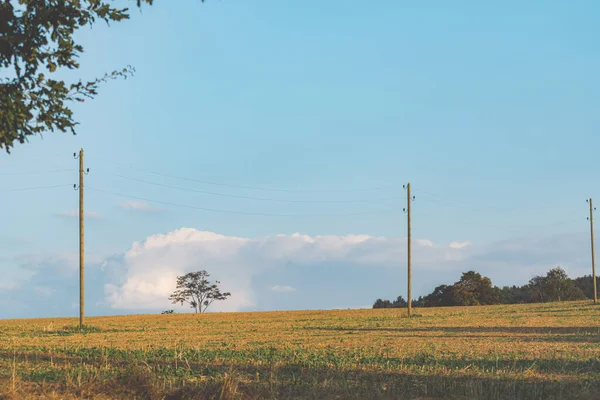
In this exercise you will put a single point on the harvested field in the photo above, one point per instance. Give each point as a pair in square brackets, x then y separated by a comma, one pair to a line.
[540, 351]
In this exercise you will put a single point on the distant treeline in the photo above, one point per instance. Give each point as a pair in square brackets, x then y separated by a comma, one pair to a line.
[473, 289]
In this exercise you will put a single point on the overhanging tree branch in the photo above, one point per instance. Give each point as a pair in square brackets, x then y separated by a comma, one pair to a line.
[36, 40]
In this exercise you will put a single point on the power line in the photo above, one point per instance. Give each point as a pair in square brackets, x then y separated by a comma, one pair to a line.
[520, 227]
[462, 204]
[478, 224]
[254, 187]
[15, 156]
[33, 188]
[228, 211]
[251, 197]
[38, 172]
[440, 200]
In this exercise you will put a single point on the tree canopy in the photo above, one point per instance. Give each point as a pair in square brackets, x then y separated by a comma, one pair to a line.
[473, 289]
[195, 289]
[36, 42]
[398, 303]
[586, 285]
[555, 286]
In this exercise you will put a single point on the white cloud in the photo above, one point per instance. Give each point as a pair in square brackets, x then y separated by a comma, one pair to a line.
[75, 213]
[8, 285]
[62, 264]
[283, 289]
[44, 290]
[137, 205]
[347, 271]
[460, 245]
[150, 268]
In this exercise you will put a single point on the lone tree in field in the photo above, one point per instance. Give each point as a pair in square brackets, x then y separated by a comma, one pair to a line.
[195, 289]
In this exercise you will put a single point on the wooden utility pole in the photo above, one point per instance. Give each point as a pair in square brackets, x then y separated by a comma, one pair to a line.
[593, 259]
[409, 199]
[81, 242]
[409, 300]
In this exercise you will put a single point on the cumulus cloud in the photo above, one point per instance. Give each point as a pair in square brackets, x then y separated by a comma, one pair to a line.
[424, 242]
[139, 206]
[460, 245]
[331, 268]
[283, 289]
[349, 271]
[151, 267]
[75, 213]
[46, 285]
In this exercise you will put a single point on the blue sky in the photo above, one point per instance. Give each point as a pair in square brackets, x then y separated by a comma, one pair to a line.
[489, 110]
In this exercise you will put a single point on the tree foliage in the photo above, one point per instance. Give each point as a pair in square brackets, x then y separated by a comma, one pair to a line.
[555, 286]
[441, 296]
[398, 303]
[586, 285]
[36, 42]
[195, 289]
[515, 294]
[473, 289]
